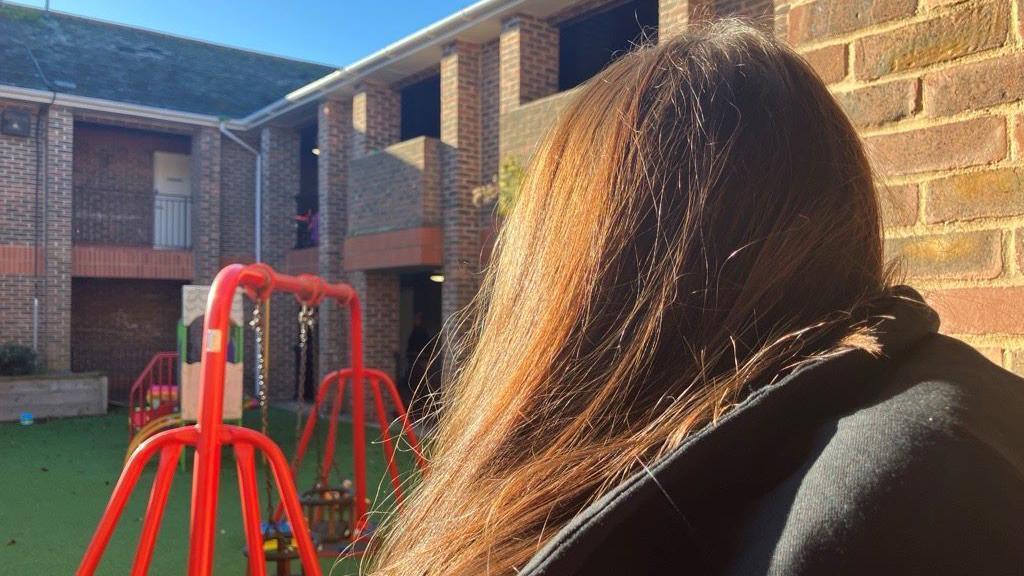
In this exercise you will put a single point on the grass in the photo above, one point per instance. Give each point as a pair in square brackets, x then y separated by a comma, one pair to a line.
[58, 475]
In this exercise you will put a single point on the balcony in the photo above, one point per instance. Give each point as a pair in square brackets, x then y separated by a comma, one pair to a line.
[115, 217]
[120, 234]
[394, 208]
[522, 128]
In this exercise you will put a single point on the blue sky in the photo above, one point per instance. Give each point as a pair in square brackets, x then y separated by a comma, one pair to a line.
[334, 32]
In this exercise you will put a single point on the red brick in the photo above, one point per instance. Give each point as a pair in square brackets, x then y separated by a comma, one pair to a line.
[982, 310]
[528, 53]
[898, 204]
[997, 192]
[827, 18]
[829, 62]
[974, 86]
[460, 166]
[971, 29]
[881, 103]
[1020, 17]
[954, 145]
[960, 255]
[1019, 236]
[1018, 135]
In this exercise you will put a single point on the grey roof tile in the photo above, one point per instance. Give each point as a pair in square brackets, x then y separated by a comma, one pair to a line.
[98, 59]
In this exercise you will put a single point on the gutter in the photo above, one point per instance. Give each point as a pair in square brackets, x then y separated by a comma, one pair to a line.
[440, 32]
[110, 106]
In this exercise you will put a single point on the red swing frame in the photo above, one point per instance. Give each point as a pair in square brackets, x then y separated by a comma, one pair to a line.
[209, 435]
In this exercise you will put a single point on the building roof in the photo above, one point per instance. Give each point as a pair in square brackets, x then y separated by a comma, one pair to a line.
[84, 57]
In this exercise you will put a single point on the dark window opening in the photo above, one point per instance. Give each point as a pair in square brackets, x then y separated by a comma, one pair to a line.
[589, 43]
[307, 203]
[421, 108]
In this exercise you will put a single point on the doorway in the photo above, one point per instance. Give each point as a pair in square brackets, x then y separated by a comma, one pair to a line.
[419, 324]
[172, 210]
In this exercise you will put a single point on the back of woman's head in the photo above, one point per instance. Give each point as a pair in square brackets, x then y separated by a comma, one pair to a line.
[701, 218]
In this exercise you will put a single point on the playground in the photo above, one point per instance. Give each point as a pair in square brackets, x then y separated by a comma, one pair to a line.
[211, 479]
[63, 471]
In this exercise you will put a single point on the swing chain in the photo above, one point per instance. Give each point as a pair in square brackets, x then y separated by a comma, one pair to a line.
[258, 323]
[307, 317]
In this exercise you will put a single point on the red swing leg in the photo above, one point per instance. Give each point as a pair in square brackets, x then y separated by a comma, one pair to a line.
[286, 491]
[385, 433]
[155, 509]
[332, 429]
[246, 464]
[410, 434]
[123, 490]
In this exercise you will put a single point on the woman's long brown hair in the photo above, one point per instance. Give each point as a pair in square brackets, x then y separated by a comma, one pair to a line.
[701, 219]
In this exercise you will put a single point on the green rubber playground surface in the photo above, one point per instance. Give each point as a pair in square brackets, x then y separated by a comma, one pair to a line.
[57, 476]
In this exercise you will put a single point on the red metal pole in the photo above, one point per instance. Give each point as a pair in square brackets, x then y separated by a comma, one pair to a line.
[358, 427]
[385, 433]
[246, 463]
[286, 490]
[155, 510]
[123, 490]
[406, 425]
[311, 421]
[206, 475]
[332, 431]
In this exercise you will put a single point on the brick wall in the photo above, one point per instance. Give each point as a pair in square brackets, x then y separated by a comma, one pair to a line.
[460, 161]
[528, 60]
[206, 203]
[490, 94]
[759, 11]
[18, 181]
[279, 148]
[379, 293]
[522, 128]
[118, 325]
[936, 90]
[334, 131]
[376, 118]
[55, 337]
[113, 182]
[396, 188]
[675, 15]
[18, 229]
[238, 202]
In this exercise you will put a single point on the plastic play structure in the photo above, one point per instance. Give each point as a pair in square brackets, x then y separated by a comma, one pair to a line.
[166, 393]
[325, 514]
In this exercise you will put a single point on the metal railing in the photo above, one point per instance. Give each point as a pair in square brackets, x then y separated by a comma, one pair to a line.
[172, 221]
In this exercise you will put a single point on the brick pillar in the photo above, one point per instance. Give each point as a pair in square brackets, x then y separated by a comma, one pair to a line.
[334, 130]
[206, 204]
[376, 118]
[529, 61]
[376, 124]
[460, 168]
[675, 15]
[279, 149]
[379, 291]
[55, 304]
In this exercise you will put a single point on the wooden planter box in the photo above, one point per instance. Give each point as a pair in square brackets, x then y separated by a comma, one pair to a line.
[53, 395]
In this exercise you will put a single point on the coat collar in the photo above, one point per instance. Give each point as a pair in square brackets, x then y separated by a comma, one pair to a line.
[717, 459]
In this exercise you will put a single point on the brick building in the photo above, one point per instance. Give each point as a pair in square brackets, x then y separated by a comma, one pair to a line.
[392, 158]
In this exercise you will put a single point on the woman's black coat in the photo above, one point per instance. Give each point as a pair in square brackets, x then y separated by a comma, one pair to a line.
[911, 463]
